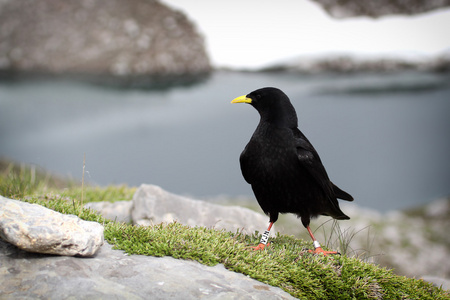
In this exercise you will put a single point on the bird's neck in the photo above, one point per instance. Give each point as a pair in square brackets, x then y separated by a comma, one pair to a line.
[281, 118]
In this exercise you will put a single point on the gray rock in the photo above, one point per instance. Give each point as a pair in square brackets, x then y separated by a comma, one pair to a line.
[134, 37]
[119, 211]
[353, 8]
[347, 63]
[34, 228]
[153, 205]
[112, 274]
[438, 281]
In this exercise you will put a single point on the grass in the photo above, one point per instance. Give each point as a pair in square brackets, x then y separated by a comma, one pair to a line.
[284, 264]
[337, 238]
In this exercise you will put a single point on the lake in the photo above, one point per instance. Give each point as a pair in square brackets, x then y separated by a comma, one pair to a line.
[384, 138]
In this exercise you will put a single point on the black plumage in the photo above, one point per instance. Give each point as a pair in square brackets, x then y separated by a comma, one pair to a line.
[283, 168]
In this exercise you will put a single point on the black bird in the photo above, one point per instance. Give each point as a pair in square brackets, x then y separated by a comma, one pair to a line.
[284, 169]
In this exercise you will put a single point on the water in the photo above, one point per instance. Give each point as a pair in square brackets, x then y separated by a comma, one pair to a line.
[383, 138]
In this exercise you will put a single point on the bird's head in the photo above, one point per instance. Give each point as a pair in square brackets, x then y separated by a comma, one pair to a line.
[273, 106]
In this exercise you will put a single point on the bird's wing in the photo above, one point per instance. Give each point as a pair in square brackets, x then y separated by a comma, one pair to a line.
[246, 168]
[310, 160]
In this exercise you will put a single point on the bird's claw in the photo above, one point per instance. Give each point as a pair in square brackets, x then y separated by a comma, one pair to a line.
[319, 250]
[261, 246]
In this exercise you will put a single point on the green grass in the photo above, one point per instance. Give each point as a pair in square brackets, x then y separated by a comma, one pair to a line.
[285, 264]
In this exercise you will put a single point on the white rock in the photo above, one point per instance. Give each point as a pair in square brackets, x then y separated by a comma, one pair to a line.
[438, 281]
[118, 211]
[437, 208]
[34, 228]
[153, 205]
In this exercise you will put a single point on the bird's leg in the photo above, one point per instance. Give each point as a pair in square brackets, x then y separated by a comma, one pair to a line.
[264, 239]
[317, 248]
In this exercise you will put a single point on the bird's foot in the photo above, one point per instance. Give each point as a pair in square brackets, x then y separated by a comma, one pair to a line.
[319, 250]
[261, 246]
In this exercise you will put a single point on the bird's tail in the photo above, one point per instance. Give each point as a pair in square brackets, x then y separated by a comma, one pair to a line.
[341, 194]
[342, 217]
[335, 211]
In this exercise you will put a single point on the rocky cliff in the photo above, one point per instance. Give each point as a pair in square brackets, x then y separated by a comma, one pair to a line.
[114, 37]
[379, 8]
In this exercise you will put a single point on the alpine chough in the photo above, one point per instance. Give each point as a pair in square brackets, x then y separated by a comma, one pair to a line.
[283, 168]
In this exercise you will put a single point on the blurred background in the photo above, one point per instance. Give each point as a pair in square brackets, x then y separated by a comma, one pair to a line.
[143, 89]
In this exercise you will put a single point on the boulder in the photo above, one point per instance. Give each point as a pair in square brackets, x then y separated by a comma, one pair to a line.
[114, 37]
[379, 8]
[153, 205]
[119, 211]
[112, 274]
[34, 228]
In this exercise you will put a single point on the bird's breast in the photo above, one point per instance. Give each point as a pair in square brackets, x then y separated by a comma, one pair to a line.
[268, 161]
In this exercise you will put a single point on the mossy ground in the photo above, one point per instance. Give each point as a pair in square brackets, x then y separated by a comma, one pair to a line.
[285, 263]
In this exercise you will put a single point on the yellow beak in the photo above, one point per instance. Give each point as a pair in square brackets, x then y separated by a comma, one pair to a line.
[242, 99]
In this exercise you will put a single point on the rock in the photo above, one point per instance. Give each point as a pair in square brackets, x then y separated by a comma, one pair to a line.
[134, 37]
[438, 281]
[153, 205]
[352, 63]
[438, 209]
[34, 228]
[346, 9]
[112, 274]
[119, 211]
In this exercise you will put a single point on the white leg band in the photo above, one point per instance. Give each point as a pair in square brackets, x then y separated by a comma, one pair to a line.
[265, 237]
[316, 244]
